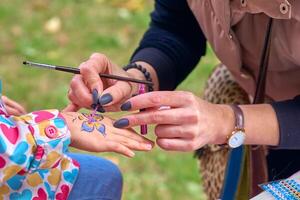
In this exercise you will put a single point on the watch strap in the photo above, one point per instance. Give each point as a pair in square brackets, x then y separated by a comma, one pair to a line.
[239, 116]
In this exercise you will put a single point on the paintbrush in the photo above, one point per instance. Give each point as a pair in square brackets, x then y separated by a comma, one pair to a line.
[74, 70]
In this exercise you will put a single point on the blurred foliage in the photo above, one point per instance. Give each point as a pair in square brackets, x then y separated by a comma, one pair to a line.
[66, 32]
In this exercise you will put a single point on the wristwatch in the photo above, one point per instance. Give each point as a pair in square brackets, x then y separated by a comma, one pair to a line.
[237, 137]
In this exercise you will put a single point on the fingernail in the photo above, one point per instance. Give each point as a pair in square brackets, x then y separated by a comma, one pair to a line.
[105, 99]
[95, 96]
[100, 109]
[148, 146]
[121, 123]
[131, 154]
[126, 106]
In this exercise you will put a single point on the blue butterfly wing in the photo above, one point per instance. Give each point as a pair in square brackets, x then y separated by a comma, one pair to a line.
[101, 129]
[86, 126]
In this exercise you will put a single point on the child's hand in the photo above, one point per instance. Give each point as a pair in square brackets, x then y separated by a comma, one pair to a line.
[12, 107]
[97, 134]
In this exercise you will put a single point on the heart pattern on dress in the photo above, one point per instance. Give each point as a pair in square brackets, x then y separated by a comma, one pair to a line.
[59, 123]
[16, 182]
[2, 162]
[50, 192]
[71, 176]
[6, 121]
[54, 143]
[25, 195]
[10, 171]
[2, 145]
[41, 195]
[3, 190]
[11, 133]
[75, 163]
[54, 177]
[27, 173]
[19, 154]
[43, 172]
[66, 144]
[34, 179]
[42, 116]
[64, 193]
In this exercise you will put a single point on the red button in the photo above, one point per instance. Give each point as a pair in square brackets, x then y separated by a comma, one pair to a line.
[51, 132]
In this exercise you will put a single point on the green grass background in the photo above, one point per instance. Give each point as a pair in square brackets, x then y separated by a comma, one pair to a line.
[113, 27]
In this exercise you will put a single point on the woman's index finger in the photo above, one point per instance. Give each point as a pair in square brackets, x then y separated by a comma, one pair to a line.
[172, 99]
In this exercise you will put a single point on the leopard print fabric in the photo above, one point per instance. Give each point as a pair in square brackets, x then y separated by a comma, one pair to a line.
[221, 88]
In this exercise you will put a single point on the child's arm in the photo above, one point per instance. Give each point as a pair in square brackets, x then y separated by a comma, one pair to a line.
[46, 134]
[33, 146]
[32, 141]
[97, 134]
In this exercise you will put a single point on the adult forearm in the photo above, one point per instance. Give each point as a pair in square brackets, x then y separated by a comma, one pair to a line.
[261, 124]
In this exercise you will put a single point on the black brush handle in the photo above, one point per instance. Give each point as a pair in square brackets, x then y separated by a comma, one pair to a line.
[74, 70]
[68, 69]
[110, 76]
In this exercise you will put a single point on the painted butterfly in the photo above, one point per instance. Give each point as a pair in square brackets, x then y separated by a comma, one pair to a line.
[92, 122]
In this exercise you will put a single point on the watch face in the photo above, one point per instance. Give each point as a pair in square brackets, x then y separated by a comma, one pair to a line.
[237, 139]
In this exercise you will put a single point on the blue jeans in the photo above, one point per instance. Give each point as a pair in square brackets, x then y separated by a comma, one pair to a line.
[98, 179]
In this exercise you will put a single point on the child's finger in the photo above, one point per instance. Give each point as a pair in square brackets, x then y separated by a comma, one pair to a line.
[119, 148]
[130, 133]
[132, 144]
[12, 111]
[13, 104]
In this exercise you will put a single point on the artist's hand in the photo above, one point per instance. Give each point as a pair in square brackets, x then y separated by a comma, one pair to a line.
[99, 135]
[111, 92]
[188, 124]
[12, 107]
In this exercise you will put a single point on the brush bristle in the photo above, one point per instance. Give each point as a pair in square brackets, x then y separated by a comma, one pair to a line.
[41, 65]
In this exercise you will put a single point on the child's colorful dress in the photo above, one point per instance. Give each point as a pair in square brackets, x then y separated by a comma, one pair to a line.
[33, 164]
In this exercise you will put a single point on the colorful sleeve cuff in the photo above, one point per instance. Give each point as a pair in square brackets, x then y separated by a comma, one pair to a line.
[32, 156]
[49, 137]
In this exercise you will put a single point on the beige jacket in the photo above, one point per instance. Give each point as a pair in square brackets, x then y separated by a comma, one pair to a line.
[236, 29]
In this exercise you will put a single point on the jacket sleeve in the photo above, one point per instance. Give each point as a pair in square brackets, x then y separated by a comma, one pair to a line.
[288, 116]
[34, 141]
[173, 44]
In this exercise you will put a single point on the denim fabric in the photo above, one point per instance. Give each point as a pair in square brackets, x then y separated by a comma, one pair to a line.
[98, 179]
